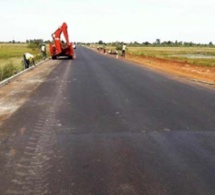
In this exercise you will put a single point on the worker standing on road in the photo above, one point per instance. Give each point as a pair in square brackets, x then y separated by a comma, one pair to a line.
[27, 59]
[43, 50]
[123, 50]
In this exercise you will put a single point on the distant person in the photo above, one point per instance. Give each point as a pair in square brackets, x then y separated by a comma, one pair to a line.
[43, 50]
[28, 58]
[123, 50]
[104, 48]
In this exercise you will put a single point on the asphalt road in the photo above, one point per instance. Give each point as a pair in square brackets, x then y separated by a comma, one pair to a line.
[103, 126]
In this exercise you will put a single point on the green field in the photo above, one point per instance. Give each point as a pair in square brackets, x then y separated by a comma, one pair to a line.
[11, 58]
[202, 56]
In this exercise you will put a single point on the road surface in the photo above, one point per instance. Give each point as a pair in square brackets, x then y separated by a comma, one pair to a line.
[102, 126]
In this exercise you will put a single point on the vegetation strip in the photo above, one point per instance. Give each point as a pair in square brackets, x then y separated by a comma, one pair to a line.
[6, 81]
[204, 82]
[11, 57]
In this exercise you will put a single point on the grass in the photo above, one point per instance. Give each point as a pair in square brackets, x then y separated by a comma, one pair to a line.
[193, 55]
[11, 58]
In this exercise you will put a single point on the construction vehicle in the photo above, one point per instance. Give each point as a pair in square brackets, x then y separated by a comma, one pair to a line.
[59, 47]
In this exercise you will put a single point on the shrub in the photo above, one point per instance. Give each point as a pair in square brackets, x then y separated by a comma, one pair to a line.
[119, 47]
[32, 46]
[7, 71]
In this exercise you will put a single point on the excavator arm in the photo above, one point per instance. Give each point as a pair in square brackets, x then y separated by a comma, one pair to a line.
[60, 48]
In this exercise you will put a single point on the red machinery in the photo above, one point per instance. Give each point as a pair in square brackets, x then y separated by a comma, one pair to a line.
[60, 48]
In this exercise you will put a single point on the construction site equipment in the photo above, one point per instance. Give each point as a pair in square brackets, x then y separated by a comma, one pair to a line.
[59, 47]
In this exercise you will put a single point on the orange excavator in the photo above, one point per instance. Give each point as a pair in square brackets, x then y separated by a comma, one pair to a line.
[59, 47]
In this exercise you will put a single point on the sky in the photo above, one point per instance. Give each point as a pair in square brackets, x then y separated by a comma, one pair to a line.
[109, 20]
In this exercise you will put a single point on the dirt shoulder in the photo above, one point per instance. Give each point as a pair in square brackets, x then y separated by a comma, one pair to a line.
[15, 93]
[205, 75]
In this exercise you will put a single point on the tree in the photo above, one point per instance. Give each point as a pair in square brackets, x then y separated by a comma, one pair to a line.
[35, 43]
[146, 43]
[100, 42]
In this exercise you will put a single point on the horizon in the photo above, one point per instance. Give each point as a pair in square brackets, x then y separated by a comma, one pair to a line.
[111, 42]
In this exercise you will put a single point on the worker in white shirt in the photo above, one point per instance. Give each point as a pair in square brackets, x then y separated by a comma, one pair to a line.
[28, 58]
[43, 50]
[123, 50]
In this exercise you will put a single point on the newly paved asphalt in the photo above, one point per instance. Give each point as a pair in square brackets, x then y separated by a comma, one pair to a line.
[103, 126]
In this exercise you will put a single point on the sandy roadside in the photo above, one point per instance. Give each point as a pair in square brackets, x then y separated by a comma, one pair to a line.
[200, 74]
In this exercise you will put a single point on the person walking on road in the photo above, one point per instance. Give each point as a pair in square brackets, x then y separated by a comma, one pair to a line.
[27, 59]
[43, 51]
[123, 50]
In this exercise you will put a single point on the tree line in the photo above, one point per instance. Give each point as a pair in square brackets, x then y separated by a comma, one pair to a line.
[32, 43]
[156, 43]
